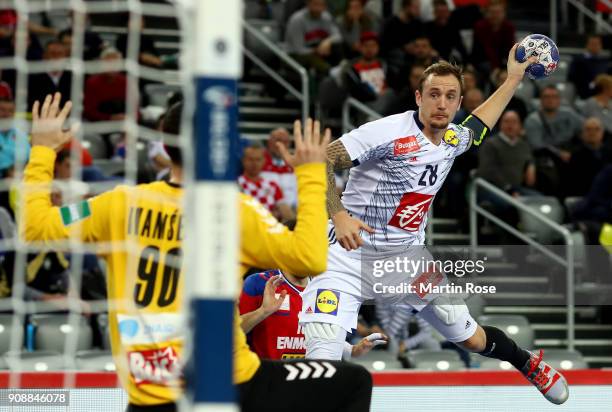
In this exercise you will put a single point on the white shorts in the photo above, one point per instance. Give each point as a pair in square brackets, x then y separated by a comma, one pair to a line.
[336, 295]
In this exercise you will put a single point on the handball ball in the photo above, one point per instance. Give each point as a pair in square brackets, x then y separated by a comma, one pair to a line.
[544, 49]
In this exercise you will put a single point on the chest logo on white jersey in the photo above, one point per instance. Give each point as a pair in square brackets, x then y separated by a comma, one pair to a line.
[411, 211]
[405, 145]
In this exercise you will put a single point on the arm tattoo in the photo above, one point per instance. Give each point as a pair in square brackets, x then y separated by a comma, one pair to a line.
[337, 159]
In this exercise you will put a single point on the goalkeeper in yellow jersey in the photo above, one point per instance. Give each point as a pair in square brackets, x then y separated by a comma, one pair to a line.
[144, 227]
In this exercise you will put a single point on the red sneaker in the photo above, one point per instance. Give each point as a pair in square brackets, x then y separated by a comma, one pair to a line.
[549, 382]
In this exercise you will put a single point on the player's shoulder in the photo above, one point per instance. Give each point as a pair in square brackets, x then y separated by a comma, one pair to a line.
[255, 283]
[390, 127]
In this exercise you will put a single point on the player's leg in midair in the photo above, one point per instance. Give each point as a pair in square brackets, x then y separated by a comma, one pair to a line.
[452, 319]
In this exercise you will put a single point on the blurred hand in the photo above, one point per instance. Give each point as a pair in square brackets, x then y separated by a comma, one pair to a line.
[368, 343]
[48, 123]
[565, 156]
[516, 69]
[324, 48]
[347, 229]
[271, 303]
[309, 148]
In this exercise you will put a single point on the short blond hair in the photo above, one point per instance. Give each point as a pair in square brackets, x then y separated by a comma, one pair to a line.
[602, 81]
[442, 68]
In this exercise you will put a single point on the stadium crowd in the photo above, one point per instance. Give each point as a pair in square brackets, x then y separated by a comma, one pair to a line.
[551, 143]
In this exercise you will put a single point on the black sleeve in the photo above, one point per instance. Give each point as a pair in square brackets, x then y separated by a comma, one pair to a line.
[478, 128]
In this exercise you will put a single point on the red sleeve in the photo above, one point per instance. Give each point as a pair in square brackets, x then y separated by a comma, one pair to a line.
[248, 303]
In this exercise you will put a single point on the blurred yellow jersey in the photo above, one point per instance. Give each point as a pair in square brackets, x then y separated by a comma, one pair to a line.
[139, 230]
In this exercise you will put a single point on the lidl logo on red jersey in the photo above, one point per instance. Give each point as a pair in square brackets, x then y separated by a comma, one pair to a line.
[405, 145]
[156, 366]
[411, 211]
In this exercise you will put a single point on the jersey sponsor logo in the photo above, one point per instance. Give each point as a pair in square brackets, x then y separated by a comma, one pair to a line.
[405, 145]
[293, 356]
[451, 138]
[411, 211]
[154, 366]
[290, 342]
[327, 301]
[309, 309]
[150, 328]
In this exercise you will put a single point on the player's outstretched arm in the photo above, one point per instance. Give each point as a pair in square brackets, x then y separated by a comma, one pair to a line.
[40, 221]
[267, 243]
[490, 111]
[347, 228]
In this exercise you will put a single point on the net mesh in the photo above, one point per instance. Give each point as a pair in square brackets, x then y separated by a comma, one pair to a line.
[53, 304]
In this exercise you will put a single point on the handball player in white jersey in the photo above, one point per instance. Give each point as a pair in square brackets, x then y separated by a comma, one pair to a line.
[397, 165]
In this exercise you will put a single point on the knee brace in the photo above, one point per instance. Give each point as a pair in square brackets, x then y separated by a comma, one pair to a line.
[324, 341]
[449, 308]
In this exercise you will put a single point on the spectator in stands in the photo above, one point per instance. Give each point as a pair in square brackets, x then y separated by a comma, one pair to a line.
[470, 79]
[14, 148]
[471, 100]
[267, 192]
[355, 20]
[599, 105]
[406, 99]
[550, 131]
[276, 169]
[313, 38]
[148, 54]
[14, 143]
[92, 43]
[57, 80]
[444, 36]
[366, 77]
[399, 32]
[588, 158]
[428, 9]
[506, 159]
[585, 67]
[493, 38]
[105, 93]
[422, 53]
[590, 214]
[516, 104]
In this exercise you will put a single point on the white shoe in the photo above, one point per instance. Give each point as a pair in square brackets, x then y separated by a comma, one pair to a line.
[548, 380]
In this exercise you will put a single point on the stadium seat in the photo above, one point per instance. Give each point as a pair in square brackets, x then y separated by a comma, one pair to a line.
[425, 355]
[95, 144]
[37, 361]
[547, 206]
[526, 90]
[516, 326]
[7, 224]
[379, 360]
[95, 360]
[439, 365]
[493, 364]
[6, 323]
[51, 331]
[565, 359]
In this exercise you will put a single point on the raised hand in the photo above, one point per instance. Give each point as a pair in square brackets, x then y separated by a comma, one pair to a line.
[517, 69]
[310, 147]
[271, 303]
[48, 123]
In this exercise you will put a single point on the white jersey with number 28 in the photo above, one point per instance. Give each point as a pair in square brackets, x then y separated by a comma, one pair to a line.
[396, 174]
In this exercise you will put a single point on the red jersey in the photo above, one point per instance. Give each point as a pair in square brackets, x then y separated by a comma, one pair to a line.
[278, 336]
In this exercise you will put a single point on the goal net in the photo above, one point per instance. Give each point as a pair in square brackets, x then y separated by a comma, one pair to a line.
[122, 63]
